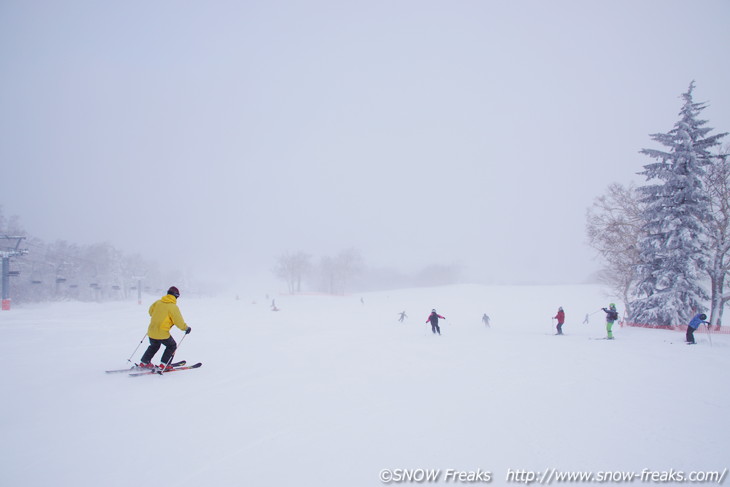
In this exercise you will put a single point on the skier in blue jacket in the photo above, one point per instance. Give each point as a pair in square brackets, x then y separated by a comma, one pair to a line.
[693, 325]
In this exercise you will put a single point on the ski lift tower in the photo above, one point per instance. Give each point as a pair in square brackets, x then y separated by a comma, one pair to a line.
[9, 247]
[139, 278]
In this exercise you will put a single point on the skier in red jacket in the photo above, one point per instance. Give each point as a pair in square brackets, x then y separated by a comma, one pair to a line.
[434, 319]
[561, 319]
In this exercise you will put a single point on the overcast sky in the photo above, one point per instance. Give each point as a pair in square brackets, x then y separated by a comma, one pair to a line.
[215, 135]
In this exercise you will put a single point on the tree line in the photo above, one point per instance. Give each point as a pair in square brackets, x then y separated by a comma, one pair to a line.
[331, 275]
[346, 272]
[66, 271]
[666, 243]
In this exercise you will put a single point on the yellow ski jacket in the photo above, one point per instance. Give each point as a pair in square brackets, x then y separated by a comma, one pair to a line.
[165, 313]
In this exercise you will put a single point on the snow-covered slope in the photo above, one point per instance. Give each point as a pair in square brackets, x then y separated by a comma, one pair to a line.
[329, 391]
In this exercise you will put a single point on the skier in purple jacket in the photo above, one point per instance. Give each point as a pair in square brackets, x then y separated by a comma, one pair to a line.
[434, 319]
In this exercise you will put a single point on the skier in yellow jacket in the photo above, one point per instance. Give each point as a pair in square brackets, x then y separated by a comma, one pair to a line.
[164, 314]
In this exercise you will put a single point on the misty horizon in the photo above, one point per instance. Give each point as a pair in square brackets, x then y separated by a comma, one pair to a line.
[214, 138]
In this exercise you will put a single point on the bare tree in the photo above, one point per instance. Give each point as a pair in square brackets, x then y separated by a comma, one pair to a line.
[292, 268]
[614, 228]
[327, 274]
[717, 184]
[338, 272]
[349, 264]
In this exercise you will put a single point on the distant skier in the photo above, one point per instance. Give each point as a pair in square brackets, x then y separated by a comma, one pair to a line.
[164, 314]
[434, 319]
[403, 316]
[611, 317]
[561, 320]
[693, 325]
[485, 319]
[585, 320]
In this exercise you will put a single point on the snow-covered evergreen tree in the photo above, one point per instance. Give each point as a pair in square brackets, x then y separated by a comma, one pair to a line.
[671, 253]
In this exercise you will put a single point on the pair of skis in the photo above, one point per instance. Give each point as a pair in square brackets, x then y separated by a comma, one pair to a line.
[136, 371]
[160, 371]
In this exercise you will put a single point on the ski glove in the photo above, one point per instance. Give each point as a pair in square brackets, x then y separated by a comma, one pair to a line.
[188, 330]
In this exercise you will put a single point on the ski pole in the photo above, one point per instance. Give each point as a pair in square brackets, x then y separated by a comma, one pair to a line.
[135, 350]
[176, 349]
[709, 333]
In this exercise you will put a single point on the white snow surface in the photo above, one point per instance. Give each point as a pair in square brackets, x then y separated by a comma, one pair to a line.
[330, 390]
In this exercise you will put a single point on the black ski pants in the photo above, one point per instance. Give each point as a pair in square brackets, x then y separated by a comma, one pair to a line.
[435, 327]
[155, 344]
[690, 334]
